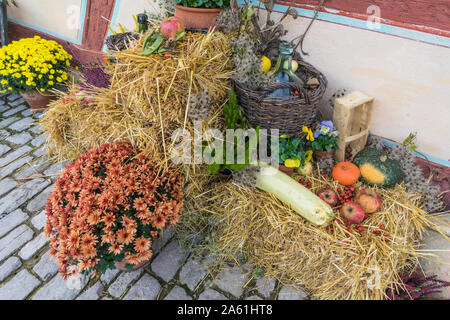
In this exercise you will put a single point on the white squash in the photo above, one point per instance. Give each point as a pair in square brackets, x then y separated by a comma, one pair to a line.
[292, 193]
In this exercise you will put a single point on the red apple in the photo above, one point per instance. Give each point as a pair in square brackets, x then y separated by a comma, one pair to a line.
[329, 196]
[352, 212]
[170, 26]
[369, 200]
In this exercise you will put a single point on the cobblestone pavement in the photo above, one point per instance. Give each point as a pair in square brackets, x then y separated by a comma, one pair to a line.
[28, 272]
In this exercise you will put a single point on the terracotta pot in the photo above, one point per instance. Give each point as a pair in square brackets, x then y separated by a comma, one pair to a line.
[321, 154]
[197, 18]
[38, 101]
[121, 265]
[287, 170]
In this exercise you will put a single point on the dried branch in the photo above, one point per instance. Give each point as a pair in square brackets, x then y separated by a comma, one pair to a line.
[302, 37]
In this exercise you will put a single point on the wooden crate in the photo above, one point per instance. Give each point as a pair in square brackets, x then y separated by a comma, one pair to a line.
[351, 118]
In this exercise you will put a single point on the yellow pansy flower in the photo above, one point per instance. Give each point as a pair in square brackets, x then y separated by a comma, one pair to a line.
[291, 163]
[308, 156]
[309, 133]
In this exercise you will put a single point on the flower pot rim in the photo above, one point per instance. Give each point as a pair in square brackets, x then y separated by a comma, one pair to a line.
[192, 9]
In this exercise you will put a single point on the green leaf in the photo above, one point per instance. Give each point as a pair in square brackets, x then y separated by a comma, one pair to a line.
[129, 267]
[214, 168]
[258, 273]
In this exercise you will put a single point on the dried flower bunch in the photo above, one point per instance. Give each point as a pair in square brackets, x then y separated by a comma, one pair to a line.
[199, 106]
[228, 20]
[247, 64]
[375, 142]
[246, 177]
[109, 206]
[414, 178]
[326, 164]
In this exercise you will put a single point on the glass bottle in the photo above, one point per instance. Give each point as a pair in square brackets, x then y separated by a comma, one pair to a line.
[142, 19]
[283, 68]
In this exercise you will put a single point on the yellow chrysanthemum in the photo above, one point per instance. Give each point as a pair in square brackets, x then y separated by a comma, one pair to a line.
[23, 61]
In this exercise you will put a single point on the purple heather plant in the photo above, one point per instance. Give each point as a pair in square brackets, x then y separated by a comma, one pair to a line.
[93, 73]
[416, 286]
[95, 76]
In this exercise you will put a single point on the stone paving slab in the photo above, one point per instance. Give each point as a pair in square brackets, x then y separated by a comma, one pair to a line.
[39, 201]
[39, 220]
[20, 195]
[33, 246]
[58, 289]
[19, 287]
[4, 149]
[93, 293]
[232, 280]
[13, 166]
[147, 288]
[8, 267]
[210, 294]
[192, 273]
[177, 293]
[7, 185]
[20, 138]
[6, 122]
[265, 286]
[10, 157]
[109, 275]
[22, 124]
[290, 293]
[15, 110]
[14, 240]
[12, 220]
[118, 287]
[167, 263]
[46, 267]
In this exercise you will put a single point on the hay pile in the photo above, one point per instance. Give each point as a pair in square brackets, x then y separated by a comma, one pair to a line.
[146, 101]
[326, 262]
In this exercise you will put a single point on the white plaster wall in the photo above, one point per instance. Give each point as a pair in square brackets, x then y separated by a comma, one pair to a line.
[127, 8]
[61, 17]
[410, 80]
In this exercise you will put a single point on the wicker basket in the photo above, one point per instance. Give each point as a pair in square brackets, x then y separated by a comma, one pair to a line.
[288, 114]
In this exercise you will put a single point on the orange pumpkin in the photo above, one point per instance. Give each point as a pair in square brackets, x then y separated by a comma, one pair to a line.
[346, 173]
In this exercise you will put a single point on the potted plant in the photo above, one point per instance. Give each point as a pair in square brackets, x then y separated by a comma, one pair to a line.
[225, 170]
[292, 154]
[199, 14]
[107, 209]
[32, 66]
[324, 140]
[233, 120]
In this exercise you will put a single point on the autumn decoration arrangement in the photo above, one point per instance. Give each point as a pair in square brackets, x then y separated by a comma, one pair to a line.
[342, 230]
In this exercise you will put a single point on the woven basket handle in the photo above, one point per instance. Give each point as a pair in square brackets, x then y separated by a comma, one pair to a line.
[284, 85]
